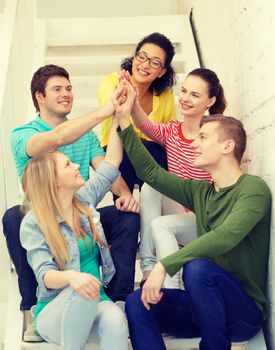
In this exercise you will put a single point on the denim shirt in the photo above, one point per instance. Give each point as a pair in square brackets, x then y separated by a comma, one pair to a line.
[39, 255]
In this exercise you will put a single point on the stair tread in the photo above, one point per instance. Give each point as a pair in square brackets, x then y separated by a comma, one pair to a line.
[174, 26]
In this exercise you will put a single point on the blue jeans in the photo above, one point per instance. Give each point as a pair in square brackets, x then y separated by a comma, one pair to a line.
[70, 320]
[121, 230]
[214, 306]
[127, 170]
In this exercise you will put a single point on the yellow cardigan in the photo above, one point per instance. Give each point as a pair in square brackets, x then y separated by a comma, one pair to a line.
[163, 107]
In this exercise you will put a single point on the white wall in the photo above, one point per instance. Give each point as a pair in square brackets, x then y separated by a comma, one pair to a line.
[236, 39]
[2, 5]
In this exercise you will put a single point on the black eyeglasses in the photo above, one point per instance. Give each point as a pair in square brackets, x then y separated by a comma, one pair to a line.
[155, 63]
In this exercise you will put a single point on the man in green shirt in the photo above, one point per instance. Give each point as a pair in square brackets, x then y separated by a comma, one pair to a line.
[225, 268]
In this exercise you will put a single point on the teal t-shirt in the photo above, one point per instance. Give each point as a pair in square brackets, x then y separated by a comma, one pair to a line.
[82, 152]
[89, 263]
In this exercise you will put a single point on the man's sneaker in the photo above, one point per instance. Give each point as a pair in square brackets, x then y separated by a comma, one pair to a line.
[31, 335]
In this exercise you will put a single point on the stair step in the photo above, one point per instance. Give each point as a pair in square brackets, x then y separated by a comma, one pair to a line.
[83, 106]
[171, 344]
[99, 64]
[85, 87]
[83, 31]
[123, 50]
[47, 346]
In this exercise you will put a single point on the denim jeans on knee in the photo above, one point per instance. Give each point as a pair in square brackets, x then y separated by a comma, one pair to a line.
[223, 309]
[69, 319]
[110, 327]
[215, 306]
[172, 315]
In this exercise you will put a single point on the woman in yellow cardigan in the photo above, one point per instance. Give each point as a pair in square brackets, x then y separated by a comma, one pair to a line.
[151, 70]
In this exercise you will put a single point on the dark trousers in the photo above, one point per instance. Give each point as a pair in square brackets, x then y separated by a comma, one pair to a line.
[127, 170]
[121, 230]
[214, 306]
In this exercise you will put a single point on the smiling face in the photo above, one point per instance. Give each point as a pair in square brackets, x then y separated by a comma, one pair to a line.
[194, 97]
[208, 147]
[58, 97]
[68, 174]
[142, 72]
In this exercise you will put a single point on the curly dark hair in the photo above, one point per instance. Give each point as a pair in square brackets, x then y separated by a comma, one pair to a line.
[40, 78]
[169, 78]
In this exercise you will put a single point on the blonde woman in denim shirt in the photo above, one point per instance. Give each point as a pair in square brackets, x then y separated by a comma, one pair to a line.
[65, 242]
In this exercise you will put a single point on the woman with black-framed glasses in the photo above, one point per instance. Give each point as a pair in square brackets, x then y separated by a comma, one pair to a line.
[154, 62]
[150, 68]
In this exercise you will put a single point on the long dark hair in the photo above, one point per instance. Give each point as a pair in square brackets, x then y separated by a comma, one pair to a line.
[169, 78]
[214, 88]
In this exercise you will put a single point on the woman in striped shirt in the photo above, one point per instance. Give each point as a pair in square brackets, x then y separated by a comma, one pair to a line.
[161, 235]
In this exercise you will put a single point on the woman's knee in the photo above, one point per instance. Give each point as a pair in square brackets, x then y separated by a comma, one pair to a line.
[113, 321]
[154, 228]
[161, 227]
[148, 195]
[157, 225]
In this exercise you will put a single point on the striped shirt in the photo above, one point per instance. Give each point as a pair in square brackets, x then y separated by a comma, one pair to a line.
[180, 155]
[82, 152]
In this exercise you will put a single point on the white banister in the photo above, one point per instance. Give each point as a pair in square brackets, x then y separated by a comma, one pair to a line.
[7, 21]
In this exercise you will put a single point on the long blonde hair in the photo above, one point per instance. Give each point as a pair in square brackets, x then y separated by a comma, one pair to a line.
[40, 188]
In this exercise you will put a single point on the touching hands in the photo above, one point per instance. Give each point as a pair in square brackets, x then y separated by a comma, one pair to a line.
[123, 102]
[85, 284]
[126, 202]
[151, 290]
[123, 98]
[119, 95]
[127, 76]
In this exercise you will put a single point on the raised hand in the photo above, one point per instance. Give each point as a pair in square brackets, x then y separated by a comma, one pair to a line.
[126, 75]
[124, 103]
[119, 95]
